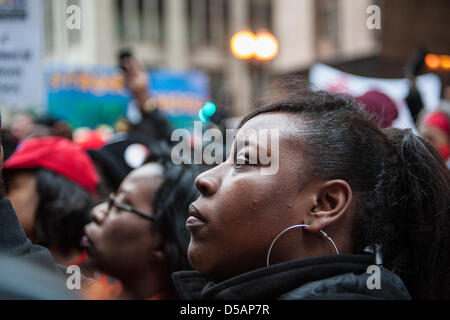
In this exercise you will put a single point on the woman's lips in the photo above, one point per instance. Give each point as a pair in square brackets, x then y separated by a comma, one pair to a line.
[85, 243]
[195, 220]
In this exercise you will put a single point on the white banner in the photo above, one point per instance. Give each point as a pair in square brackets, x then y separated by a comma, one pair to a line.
[21, 78]
[429, 85]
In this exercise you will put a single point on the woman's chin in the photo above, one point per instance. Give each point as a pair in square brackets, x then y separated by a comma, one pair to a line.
[198, 259]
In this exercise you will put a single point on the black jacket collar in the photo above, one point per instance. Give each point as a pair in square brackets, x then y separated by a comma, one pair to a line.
[14, 242]
[276, 280]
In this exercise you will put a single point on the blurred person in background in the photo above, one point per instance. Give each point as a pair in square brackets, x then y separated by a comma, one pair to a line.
[139, 235]
[28, 271]
[42, 127]
[411, 70]
[61, 129]
[49, 182]
[151, 123]
[435, 127]
[445, 102]
[22, 126]
[9, 143]
[414, 100]
[46, 126]
[120, 155]
[23, 279]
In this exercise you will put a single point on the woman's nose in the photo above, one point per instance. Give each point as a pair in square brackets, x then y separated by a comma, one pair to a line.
[98, 213]
[207, 182]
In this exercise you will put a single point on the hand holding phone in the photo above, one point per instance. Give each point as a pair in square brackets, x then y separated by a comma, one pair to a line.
[136, 77]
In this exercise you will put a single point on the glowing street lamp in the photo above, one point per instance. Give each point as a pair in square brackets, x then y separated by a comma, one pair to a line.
[266, 46]
[445, 62]
[243, 44]
[256, 49]
[246, 45]
[434, 61]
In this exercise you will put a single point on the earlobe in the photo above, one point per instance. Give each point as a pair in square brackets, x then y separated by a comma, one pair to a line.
[159, 252]
[332, 200]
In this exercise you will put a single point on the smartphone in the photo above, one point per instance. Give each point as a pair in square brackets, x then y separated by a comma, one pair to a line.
[123, 55]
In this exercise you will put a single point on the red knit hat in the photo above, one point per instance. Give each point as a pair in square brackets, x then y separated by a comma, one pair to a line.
[380, 106]
[58, 155]
[439, 120]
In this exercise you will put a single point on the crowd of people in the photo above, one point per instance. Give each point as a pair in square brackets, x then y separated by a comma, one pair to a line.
[351, 192]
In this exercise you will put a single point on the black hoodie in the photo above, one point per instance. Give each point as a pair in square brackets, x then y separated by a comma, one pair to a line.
[28, 271]
[14, 242]
[333, 277]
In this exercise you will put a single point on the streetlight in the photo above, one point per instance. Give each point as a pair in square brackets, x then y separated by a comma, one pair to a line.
[266, 46]
[434, 61]
[242, 45]
[245, 45]
[256, 49]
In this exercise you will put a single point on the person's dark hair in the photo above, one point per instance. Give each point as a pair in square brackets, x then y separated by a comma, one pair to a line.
[112, 166]
[9, 143]
[171, 205]
[46, 121]
[400, 183]
[160, 151]
[63, 211]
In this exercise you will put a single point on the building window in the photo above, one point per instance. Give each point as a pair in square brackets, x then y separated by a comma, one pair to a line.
[152, 17]
[207, 21]
[260, 12]
[48, 27]
[140, 20]
[327, 28]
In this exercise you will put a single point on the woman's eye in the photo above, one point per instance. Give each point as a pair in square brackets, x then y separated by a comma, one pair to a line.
[242, 162]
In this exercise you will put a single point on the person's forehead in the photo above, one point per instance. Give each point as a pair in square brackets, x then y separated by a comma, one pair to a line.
[22, 117]
[271, 120]
[21, 174]
[141, 178]
[285, 125]
[147, 170]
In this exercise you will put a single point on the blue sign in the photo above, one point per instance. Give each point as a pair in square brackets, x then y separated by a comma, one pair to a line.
[88, 97]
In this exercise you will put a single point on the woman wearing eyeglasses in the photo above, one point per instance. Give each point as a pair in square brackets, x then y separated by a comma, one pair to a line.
[138, 236]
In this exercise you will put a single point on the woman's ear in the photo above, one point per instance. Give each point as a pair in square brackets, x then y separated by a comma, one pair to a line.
[331, 201]
[160, 249]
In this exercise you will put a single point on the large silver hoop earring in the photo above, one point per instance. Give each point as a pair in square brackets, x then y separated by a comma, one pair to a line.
[293, 227]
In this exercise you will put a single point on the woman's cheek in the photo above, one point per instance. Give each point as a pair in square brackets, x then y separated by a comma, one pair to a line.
[26, 205]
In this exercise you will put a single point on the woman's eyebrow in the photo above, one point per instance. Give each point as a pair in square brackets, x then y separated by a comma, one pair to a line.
[250, 143]
[124, 194]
